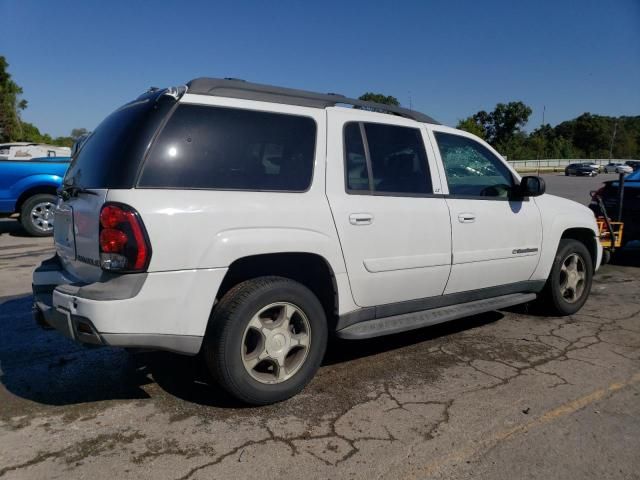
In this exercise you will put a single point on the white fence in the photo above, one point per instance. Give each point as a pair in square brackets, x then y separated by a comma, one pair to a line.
[561, 162]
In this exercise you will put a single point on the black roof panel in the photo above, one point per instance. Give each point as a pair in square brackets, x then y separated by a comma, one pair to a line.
[234, 88]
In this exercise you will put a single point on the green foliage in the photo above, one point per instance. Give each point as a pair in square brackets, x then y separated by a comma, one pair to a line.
[587, 136]
[471, 125]
[378, 98]
[10, 105]
[12, 129]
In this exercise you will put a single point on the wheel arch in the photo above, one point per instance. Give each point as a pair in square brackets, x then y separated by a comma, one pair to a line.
[35, 190]
[310, 269]
[585, 236]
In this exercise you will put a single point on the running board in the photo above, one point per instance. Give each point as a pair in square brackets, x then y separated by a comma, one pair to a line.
[410, 321]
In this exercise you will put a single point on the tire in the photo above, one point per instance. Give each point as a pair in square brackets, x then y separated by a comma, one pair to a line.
[606, 257]
[241, 331]
[554, 299]
[36, 215]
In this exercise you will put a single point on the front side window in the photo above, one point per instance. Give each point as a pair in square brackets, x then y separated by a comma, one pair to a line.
[472, 170]
[396, 162]
[232, 149]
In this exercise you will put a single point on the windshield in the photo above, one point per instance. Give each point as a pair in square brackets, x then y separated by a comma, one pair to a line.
[111, 155]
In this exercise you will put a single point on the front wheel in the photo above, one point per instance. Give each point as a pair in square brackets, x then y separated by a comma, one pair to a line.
[569, 282]
[266, 339]
[36, 214]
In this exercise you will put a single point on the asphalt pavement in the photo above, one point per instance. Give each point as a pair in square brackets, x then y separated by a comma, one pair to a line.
[503, 395]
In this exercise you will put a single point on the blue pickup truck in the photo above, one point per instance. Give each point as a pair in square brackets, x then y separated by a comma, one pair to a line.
[28, 191]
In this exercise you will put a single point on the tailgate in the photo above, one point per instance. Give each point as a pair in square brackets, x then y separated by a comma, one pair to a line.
[76, 234]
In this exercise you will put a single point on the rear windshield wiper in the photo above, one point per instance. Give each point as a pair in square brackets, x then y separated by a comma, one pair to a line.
[73, 190]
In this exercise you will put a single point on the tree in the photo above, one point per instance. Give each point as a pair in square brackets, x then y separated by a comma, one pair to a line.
[507, 120]
[502, 128]
[378, 98]
[10, 105]
[76, 133]
[471, 125]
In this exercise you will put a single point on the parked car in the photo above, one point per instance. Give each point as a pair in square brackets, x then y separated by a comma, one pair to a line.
[594, 165]
[28, 191]
[248, 222]
[617, 168]
[634, 164]
[610, 194]
[581, 169]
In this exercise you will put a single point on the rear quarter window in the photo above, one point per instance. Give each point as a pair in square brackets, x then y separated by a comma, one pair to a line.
[205, 147]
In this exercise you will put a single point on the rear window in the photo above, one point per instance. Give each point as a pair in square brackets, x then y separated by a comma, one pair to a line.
[112, 154]
[204, 147]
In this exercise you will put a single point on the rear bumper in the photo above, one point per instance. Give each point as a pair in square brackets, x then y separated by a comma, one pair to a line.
[163, 310]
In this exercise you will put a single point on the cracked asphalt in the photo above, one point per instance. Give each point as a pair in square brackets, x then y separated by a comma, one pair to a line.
[507, 394]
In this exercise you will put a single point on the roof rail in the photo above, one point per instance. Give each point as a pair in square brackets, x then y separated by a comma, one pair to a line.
[236, 88]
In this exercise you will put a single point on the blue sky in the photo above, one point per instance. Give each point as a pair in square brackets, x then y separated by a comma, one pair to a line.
[78, 60]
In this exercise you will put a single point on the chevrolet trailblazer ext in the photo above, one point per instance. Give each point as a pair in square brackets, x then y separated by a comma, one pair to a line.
[248, 222]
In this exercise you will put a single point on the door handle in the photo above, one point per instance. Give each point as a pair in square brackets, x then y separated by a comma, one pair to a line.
[466, 218]
[360, 219]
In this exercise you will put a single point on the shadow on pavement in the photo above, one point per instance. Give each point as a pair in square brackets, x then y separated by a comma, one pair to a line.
[9, 226]
[44, 367]
[628, 256]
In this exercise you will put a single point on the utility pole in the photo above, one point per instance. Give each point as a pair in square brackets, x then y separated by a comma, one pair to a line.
[613, 138]
[544, 108]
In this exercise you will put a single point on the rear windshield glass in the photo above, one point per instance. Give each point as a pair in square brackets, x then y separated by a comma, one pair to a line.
[204, 147]
[111, 155]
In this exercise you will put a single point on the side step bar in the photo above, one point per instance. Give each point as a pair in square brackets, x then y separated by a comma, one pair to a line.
[425, 318]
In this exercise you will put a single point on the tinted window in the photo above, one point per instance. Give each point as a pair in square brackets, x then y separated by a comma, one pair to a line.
[356, 163]
[111, 155]
[226, 148]
[472, 170]
[398, 161]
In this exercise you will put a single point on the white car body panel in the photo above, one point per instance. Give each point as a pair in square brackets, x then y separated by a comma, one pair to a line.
[495, 241]
[559, 215]
[409, 258]
[169, 303]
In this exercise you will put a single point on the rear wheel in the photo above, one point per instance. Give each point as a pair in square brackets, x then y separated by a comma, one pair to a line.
[266, 339]
[569, 283]
[36, 214]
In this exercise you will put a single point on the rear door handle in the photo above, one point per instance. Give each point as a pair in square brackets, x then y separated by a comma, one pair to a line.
[360, 219]
[466, 218]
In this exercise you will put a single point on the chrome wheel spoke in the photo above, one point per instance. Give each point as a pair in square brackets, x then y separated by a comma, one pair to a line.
[42, 216]
[256, 323]
[276, 342]
[572, 277]
[300, 339]
[288, 311]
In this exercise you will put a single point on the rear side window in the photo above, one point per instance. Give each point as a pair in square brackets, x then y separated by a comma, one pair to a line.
[111, 156]
[389, 160]
[204, 147]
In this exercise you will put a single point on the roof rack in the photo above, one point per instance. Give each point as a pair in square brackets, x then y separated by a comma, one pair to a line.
[236, 88]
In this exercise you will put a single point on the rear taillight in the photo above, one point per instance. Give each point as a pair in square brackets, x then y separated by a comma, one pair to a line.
[124, 245]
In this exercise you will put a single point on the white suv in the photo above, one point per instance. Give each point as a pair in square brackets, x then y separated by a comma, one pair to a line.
[249, 222]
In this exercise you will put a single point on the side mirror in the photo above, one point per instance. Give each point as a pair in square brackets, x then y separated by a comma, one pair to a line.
[532, 186]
